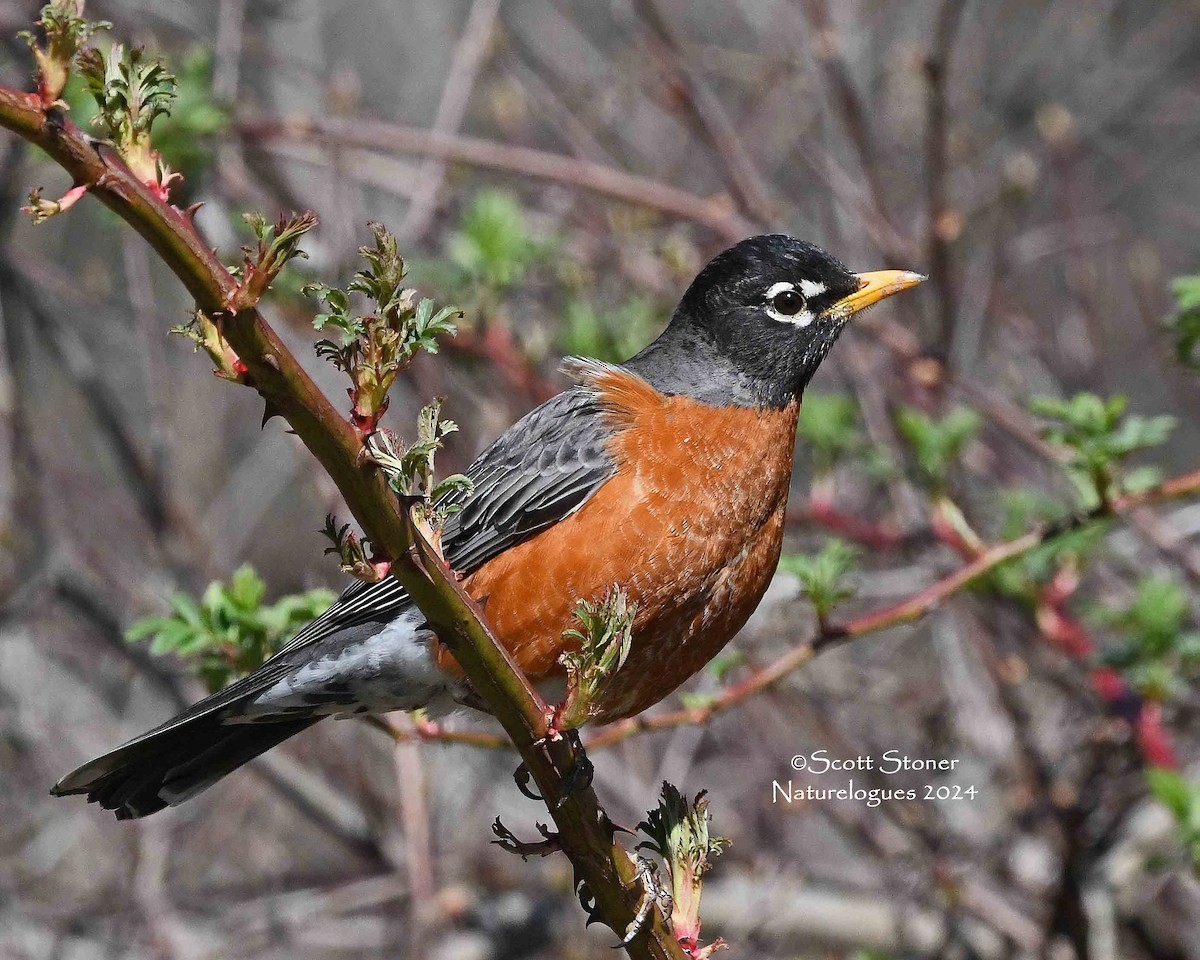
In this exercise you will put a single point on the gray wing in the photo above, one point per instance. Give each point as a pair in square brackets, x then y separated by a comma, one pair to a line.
[541, 469]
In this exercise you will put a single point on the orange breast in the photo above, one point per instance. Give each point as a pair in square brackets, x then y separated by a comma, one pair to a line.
[690, 526]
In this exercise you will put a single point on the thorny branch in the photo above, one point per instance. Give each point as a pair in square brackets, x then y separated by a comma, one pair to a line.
[270, 368]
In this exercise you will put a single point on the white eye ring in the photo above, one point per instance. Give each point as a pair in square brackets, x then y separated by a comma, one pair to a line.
[801, 319]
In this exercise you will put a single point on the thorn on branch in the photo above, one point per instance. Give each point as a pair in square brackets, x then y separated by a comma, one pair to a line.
[588, 901]
[521, 778]
[582, 772]
[507, 840]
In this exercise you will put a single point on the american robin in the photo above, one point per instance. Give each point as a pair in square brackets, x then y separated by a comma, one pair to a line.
[667, 475]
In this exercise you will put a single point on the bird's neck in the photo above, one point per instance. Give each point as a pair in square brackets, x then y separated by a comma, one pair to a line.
[684, 361]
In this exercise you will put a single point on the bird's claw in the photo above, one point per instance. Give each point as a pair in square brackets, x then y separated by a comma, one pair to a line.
[588, 901]
[653, 894]
[521, 778]
[579, 777]
[582, 772]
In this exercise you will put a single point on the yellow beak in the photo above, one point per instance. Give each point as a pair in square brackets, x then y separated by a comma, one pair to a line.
[873, 287]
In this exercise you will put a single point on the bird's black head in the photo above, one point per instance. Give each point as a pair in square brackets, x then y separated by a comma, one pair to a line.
[758, 320]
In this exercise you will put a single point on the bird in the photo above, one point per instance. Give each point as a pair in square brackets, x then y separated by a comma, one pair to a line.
[667, 475]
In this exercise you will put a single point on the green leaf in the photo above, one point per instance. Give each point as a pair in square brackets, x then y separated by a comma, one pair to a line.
[1170, 789]
[1182, 798]
[230, 631]
[1157, 650]
[247, 589]
[611, 333]
[829, 425]
[823, 576]
[1184, 321]
[493, 246]
[1099, 437]
[937, 444]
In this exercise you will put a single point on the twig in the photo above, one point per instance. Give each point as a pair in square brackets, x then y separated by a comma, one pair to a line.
[870, 533]
[411, 788]
[710, 116]
[942, 225]
[833, 65]
[428, 731]
[488, 154]
[460, 73]
[231, 28]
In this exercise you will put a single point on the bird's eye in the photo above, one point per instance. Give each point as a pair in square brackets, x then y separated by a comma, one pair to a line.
[787, 302]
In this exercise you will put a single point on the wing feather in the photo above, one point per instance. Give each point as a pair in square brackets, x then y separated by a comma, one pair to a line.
[544, 467]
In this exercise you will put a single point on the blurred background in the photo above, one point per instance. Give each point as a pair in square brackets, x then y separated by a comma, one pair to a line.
[561, 170]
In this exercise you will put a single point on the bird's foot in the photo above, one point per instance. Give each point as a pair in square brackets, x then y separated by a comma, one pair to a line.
[587, 900]
[582, 772]
[578, 777]
[654, 893]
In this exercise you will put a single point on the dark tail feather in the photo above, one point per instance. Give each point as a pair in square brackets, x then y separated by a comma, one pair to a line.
[164, 769]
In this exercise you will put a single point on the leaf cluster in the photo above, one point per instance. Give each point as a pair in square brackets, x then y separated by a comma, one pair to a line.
[276, 244]
[1182, 798]
[410, 469]
[597, 651]
[354, 554]
[131, 91]
[230, 631]
[1022, 576]
[937, 445]
[1184, 321]
[65, 31]
[1158, 650]
[823, 575]
[374, 348]
[1099, 437]
[677, 830]
[493, 247]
